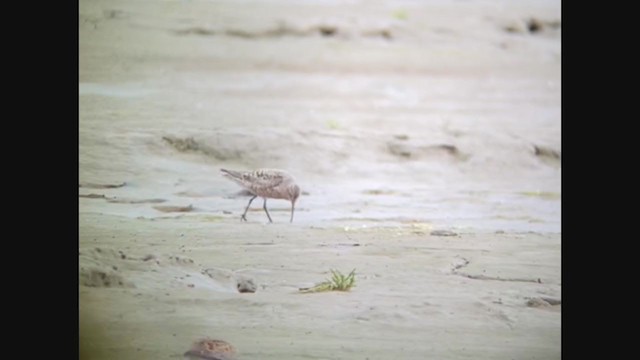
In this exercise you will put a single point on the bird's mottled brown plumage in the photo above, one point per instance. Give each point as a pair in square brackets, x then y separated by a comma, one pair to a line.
[268, 184]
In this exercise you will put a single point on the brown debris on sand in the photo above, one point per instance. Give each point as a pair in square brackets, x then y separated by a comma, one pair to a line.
[211, 349]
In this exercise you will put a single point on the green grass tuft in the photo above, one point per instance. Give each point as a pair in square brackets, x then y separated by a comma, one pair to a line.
[338, 282]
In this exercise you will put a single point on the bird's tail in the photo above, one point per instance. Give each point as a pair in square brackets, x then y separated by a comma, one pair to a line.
[233, 175]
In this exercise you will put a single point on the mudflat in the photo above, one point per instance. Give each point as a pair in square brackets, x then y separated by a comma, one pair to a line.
[425, 138]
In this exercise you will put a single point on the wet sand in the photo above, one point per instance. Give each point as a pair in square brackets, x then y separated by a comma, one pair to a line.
[425, 137]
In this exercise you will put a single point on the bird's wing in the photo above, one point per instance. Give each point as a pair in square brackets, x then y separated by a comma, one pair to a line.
[263, 179]
[255, 180]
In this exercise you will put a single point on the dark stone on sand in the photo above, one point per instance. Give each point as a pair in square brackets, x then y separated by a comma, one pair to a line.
[542, 151]
[547, 155]
[327, 30]
[246, 285]
[532, 26]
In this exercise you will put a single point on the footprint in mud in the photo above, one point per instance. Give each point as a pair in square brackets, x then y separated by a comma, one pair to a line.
[103, 277]
[102, 268]
[102, 253]
[107, 267]
[180, 260]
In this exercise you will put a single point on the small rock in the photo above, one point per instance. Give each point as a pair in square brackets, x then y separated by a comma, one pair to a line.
[148, 257]
[246, 285]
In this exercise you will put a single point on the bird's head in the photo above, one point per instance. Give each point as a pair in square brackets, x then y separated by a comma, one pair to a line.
[294, 193]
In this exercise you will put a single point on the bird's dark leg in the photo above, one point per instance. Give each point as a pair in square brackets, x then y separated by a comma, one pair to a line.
[244, 216]
[292, 207]
[265, 210]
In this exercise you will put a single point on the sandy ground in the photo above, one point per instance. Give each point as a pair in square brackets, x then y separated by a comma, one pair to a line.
[425, 136]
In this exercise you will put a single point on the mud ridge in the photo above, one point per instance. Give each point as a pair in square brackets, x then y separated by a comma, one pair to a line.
[101, 186]
[465, 263]
[283, 29]
[190, 145]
